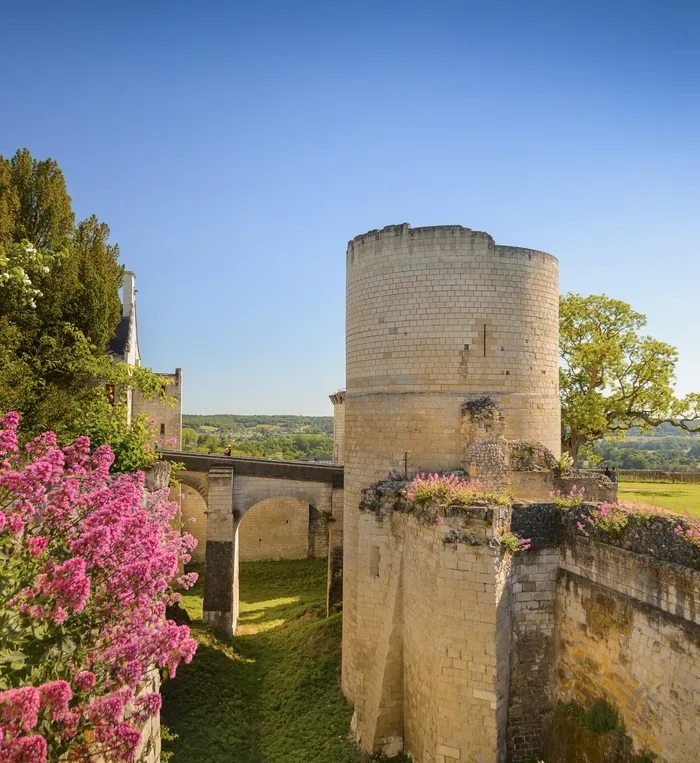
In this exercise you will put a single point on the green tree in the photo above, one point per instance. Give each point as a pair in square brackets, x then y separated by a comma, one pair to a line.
[39, 202]
[189, 437]
[612, 377]
[59, 307]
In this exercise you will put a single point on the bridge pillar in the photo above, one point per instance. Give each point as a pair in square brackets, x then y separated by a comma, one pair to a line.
[221, 581]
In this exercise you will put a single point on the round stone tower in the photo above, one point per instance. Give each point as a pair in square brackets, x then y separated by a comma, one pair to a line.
[437, 317]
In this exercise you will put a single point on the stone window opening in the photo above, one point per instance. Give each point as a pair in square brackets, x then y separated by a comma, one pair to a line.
[162, 428]
[374, 558]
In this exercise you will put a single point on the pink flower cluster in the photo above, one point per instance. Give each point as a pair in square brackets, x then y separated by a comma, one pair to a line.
[451, 488]
[93, 557]
[690, 534]
[568, 500]
[440, 485]
[609, 518]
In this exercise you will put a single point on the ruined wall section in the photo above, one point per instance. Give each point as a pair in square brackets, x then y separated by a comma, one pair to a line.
[629, 632]
[434, 317]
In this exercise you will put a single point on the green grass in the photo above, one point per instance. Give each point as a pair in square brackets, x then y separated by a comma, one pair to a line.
[272, 693]
[677, 497]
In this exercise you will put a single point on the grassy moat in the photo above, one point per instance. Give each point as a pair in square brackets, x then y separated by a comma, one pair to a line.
[272, 693]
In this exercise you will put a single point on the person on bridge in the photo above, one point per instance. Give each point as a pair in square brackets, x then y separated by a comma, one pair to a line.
[227, 451]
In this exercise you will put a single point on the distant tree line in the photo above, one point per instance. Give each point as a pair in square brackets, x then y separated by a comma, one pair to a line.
[298, 447]
[675, 454]
[239, 423]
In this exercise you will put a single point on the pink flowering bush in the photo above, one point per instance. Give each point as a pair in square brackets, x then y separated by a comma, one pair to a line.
[610, 518]
[514, 542]
[86, 561]
[452, 489]
[568, 500]
[689, 534]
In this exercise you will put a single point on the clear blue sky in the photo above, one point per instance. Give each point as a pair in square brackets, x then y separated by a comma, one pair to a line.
[235, 147]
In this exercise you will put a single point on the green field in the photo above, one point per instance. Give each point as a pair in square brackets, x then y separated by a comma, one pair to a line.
[677, 497]
[272, 693]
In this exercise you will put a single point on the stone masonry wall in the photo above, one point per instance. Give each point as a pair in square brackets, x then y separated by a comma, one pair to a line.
[532, 650]
[148, 750]
[194, 507]
[538, 486]
[466, 648]
[277, 528]
[433, 661]
[168, 419]
[629, 632]
[338, 400]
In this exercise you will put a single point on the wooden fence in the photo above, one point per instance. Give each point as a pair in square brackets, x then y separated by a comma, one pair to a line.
[657, 475]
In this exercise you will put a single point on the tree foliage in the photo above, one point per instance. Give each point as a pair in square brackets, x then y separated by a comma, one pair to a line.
[612, 376]
[59, 307]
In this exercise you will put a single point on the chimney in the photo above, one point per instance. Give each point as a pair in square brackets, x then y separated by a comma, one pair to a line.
[129, 293]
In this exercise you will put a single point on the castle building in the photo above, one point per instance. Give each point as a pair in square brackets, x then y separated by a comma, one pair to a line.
[166, 420]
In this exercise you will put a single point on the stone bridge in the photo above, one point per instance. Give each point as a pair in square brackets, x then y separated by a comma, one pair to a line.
[293, 509]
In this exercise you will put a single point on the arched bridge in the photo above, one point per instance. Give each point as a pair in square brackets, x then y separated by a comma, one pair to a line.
[229, 487]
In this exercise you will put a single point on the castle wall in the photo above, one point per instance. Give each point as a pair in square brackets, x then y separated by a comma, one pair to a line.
[538, 486]
[433, 654]
[167, 419]
[531, 691]
[467, 648]
[629, 632]
[434, 317]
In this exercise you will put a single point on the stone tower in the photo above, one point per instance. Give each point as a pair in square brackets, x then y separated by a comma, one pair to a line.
[436, 317]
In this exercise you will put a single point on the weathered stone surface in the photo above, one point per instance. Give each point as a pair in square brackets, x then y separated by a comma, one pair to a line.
[334, 598]
[459, 628]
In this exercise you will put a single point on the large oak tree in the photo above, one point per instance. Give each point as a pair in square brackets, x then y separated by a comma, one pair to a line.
[613, 377]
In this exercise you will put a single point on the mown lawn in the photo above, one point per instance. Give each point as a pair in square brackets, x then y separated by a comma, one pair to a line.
[677, 497]
[272, 693]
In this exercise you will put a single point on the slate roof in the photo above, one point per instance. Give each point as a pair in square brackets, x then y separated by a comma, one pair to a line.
[117, 345]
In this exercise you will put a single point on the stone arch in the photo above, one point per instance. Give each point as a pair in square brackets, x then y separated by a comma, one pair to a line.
[248, 494]
[277, 527]
[196, 482]
[194, 507]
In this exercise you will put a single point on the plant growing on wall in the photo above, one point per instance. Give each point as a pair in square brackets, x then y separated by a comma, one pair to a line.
[453, 489]
[87, 561]
[613, 377]
[608, 518]
[513, 542]
[568, 500]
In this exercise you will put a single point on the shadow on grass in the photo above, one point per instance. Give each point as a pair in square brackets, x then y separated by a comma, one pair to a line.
[207, 706]
[272, 695]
